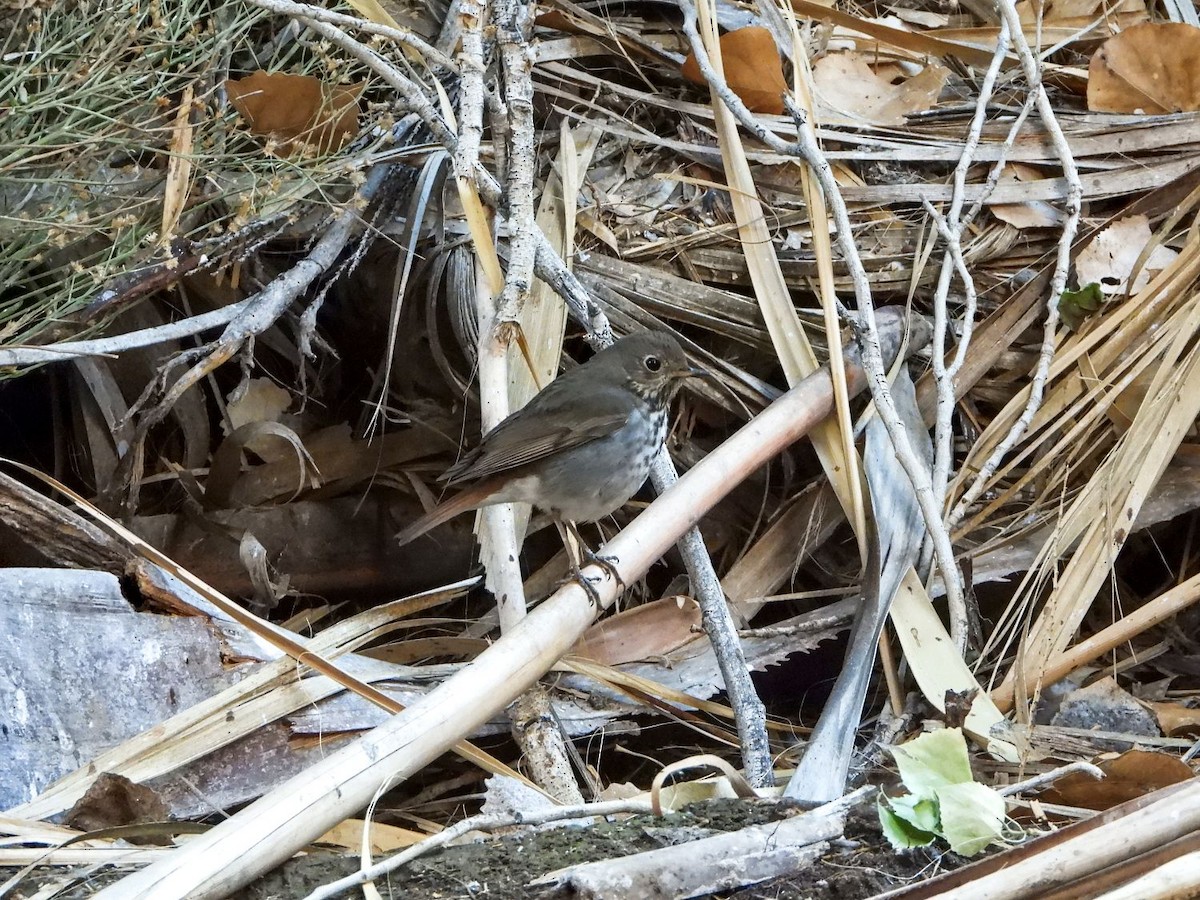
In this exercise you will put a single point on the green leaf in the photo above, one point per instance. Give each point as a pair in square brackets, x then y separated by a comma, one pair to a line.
[932, 761]
[972, 816]
[919, 812]
[901, 834]
[1075, 306]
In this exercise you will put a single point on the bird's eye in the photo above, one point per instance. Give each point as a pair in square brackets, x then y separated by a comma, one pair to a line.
[652, 363]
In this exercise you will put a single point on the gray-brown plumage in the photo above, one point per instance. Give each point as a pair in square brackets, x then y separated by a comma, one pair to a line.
[582, 446]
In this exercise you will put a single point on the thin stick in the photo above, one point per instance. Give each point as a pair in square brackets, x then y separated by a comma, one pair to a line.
[807, 149]
[320, 14]
[749, 713]
[1058, 280]
[268, 831]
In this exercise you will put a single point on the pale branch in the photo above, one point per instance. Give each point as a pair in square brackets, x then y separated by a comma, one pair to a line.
[749, 714]
[806, 148]
[412, 96]
[1058, 280]
[512, 21]
[952, 260]
[320, 14]
[133, 340]
[1038, 781]
[470, 105]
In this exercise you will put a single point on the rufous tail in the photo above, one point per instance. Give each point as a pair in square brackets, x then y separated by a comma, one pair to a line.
[471, 498]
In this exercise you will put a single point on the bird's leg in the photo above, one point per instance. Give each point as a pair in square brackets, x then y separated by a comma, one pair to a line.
[607, 563]
[576, 548]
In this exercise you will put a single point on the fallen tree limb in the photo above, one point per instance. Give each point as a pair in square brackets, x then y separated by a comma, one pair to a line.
[267, 832]
[718, 863]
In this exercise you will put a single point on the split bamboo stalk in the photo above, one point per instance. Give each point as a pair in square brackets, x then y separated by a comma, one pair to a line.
[270, 830]
[1076, 852]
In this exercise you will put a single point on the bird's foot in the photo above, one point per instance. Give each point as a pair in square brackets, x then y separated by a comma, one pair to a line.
[589, 588]
[608, 564]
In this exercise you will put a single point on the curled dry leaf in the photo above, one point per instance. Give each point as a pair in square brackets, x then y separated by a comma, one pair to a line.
[882, 95]
[1152, 68]
[1031, 213]
[1110, 258]
[644, 632]
[297, 109]
[1130, 775]
[262, 401]
[383, 838]
[752, 69]
[1176, 720]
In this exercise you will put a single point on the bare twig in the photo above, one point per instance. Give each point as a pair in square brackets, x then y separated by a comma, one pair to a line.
[511, 22]
[413, 97]
[1037, 781]
[1032, 70]
[807, 149]
[133, 340]
[748, 711]
[952, 261]
[320, 14]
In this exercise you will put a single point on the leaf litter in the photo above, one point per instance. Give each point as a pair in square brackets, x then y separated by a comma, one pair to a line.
[181, 161]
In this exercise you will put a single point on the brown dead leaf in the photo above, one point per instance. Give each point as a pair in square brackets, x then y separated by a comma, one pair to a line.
[1152, 68]
[1176, 720]
[262, 401]
[557, 20]
[1059, 10]
[383, 838]
[1031, 213]
[883, 95]
[297, 109]
[114, 800]
[644, 632]
[752, 69]
[1130, 775]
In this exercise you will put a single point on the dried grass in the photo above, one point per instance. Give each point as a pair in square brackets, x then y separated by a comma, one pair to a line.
[87, 149]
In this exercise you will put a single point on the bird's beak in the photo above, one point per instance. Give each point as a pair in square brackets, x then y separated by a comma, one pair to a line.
[697, 372]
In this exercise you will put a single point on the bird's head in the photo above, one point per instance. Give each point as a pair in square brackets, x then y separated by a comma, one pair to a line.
[653, 362]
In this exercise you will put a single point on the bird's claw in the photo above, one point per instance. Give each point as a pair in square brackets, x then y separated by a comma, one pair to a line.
[609, 565]
[588, 588]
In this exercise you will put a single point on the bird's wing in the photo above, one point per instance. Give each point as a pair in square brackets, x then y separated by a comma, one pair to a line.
[542, 428]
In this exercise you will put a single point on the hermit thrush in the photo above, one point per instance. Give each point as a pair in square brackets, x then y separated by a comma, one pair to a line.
[582, 446]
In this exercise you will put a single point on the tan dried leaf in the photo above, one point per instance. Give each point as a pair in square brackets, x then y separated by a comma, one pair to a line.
[752, 69]
[644, 632]
[1176, 720]
[1059, 10]
[1152, 68]
[297, 109]
[179, 169]
[1130, 775]
[1031, 213]
[1109, 259]
[883, 95]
